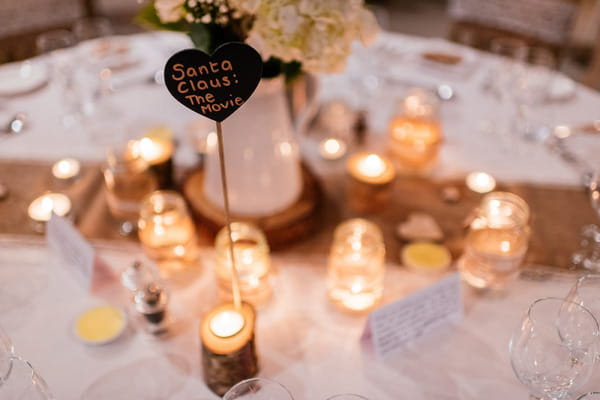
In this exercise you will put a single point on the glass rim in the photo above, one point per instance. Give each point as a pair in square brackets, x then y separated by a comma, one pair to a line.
[36, 380]
[585, 395]
[241, 230]
[258, 379]
[584, 278]
[347, 224]
[509, 40]
[511, 197]
[585, 309]
[166, 193]
[358, 396]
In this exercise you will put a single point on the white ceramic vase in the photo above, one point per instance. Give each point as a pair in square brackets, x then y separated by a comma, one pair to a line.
[261, 155]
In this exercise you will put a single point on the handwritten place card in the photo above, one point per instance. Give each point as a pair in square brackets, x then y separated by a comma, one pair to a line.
[398, 324]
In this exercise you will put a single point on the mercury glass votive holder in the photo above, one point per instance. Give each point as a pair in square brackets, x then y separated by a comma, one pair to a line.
[415, 132]
[356, 265]
[497, 241]
[252, 262]
[167, 231]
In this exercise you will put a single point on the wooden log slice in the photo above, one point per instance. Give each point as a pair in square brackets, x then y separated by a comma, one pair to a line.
[281, 229]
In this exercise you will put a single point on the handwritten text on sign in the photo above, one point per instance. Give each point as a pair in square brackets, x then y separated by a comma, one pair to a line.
[214, 86]
[400, 323]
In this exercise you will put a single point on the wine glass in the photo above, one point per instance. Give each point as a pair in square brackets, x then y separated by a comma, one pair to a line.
[530, 92]
[501, 77]
[553, 350]
[258, 389]
[590, 396]
[589, 254]
[62, 67]
[6, 352]
[586, 293]
[24, 383]
[88, 28]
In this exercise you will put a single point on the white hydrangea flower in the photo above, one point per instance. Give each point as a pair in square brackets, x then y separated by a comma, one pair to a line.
[317, 33]
[169, 10]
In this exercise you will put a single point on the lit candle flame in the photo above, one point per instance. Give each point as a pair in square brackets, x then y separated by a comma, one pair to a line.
[332, 149]
[372, 165]
[480, 182]
[42, 207]
[227, 323]
[66, 168]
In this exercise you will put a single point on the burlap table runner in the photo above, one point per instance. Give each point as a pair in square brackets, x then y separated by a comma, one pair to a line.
[557, 213]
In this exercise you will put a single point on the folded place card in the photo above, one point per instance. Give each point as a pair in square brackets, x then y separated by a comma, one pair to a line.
[78, 255]
[398, 324]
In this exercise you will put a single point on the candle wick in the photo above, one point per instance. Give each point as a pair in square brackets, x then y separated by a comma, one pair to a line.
[235, 287]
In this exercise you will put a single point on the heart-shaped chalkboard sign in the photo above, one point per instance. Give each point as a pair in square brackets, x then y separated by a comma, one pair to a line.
[214, 86]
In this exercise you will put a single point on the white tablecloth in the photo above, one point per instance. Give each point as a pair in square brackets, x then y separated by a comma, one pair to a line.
[475, 124]
[303, 342]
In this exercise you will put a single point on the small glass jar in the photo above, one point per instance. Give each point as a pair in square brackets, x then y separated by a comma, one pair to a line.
[356, 265]
[415, 132]
[252, 262]
[127, 180]
[497, 241]
[167, 232]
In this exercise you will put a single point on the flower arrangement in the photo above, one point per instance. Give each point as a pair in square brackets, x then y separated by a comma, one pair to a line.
[313, 36]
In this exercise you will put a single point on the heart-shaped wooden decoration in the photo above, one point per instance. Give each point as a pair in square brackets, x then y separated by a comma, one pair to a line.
[214, 86]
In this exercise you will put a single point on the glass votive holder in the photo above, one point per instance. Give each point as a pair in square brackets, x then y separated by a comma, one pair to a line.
[370, 181]
[415, 133]
[127, 181]
[356, 265]
[252, 261]
[497, 241]
[167, 231]
[156, 149]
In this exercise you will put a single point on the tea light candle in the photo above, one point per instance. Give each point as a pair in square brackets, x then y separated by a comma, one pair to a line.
[40, 209]
[371, 168]
[332, 149]
[371, 176]
[158, 153]
[226, 323]
[480, 182]
[67, 168]
[228, 351]
[252, 262]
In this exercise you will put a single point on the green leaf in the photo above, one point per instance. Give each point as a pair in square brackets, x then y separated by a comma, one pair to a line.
[202, 36]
